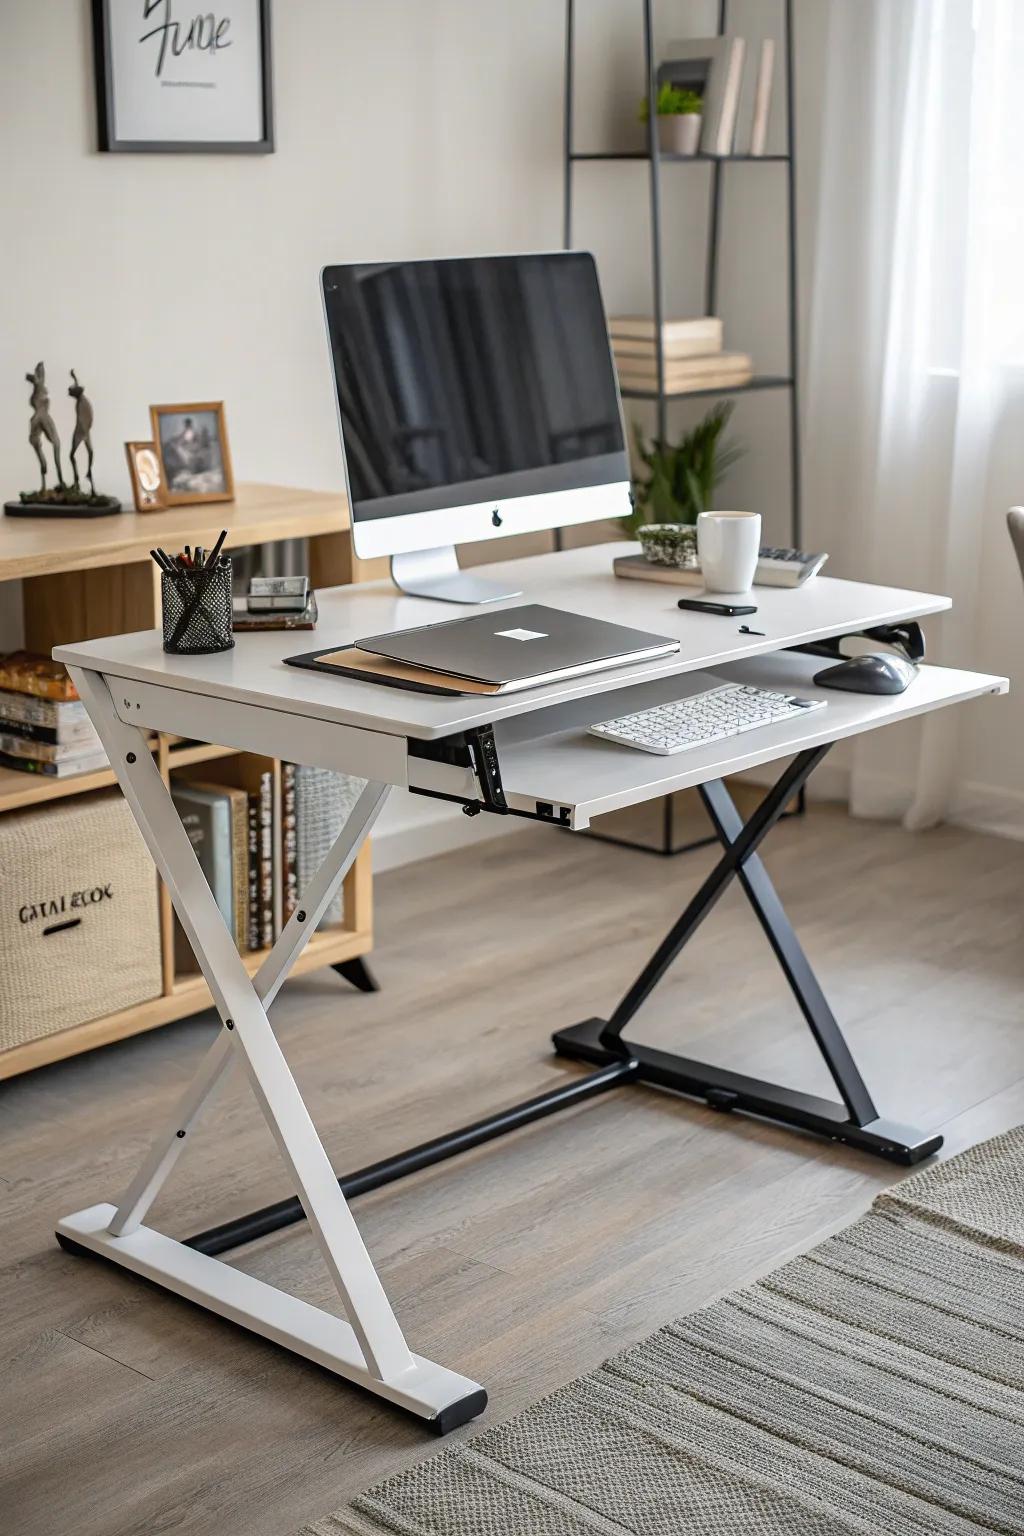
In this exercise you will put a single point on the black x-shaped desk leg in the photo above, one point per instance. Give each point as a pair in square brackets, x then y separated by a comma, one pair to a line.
[621, 1062]
[855, 1120]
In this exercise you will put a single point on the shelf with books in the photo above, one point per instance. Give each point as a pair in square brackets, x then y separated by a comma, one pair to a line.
[714, 67]
[260, 828]
[101, 582]
[183, 989]
[691, 63]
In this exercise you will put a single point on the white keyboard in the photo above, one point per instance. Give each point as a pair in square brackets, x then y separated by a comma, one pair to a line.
[704, 717]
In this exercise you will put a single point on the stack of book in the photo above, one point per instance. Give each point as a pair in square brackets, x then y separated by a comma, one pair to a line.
[43, 724]
[259, 841]
[692, 352]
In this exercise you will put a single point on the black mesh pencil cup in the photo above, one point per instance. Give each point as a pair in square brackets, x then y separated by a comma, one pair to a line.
[197, 609]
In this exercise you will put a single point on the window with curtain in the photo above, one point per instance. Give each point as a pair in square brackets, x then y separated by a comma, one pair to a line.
[916, 339]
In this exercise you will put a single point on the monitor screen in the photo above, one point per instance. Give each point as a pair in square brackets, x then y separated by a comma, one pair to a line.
[466, 381]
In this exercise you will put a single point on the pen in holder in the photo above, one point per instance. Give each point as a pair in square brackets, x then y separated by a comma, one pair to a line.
[197, 608]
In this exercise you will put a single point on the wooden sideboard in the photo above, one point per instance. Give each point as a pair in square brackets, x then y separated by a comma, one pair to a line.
[82, 578]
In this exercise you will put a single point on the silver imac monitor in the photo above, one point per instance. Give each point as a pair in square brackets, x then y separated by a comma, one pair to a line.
[477, 398]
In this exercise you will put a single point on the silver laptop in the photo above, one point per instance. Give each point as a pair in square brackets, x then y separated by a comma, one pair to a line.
[521, 647]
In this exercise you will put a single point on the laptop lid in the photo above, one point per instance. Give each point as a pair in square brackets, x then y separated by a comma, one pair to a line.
[510, 647]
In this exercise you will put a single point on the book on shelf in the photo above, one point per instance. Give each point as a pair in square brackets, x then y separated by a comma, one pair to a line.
[64, 718]
[676, 383]
[645, 370]
[215, 816]
[253, 848]
[762, 97]
[266, 864]
[239, 866]
[699, 335]
[289, 842]
[628, 351]
[13, 744]
[205, 812]
[91, 762]
[28, 672]
[81, 738]
[277, 907]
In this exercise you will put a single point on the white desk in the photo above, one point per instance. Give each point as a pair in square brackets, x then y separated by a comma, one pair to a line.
[549, 769]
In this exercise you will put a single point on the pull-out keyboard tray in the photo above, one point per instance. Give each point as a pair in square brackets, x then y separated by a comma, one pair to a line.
[551, 767]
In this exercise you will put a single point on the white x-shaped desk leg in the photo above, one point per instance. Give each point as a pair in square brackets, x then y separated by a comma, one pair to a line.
[369, 1348]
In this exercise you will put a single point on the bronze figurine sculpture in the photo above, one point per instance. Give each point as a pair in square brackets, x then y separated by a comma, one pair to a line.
[41, 424]
[83, 424]
[61, 500]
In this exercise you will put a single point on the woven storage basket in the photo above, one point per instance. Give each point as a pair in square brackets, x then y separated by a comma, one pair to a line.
[79, 920]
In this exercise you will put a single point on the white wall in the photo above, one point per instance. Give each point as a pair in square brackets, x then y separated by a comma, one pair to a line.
[403, 128]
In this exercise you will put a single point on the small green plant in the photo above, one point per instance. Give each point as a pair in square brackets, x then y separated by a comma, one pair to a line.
[671, 101]
[681, 478]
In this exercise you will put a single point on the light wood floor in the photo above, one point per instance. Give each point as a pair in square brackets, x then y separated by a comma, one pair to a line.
[123, 1411]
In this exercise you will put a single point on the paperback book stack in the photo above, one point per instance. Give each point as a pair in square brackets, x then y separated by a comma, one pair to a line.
[43, 724]
[692, 352]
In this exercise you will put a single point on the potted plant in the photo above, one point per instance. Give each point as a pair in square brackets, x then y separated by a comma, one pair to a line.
[679, 118]
[679, 484]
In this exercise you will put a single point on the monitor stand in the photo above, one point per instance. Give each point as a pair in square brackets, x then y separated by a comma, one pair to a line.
[435, 573]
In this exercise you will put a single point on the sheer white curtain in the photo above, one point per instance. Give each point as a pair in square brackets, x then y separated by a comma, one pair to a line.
[917, 324]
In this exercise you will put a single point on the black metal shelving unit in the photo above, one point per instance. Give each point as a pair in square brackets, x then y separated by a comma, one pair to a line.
[788, 381]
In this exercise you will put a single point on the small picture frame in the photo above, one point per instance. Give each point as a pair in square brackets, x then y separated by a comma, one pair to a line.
[192, 445]
[147, 476]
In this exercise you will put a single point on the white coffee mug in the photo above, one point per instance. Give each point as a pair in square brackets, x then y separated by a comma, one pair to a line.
[727, 545]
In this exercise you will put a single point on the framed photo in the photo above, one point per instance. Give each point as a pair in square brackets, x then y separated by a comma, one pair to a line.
[191, 443]
[147, 476]
[171, 78]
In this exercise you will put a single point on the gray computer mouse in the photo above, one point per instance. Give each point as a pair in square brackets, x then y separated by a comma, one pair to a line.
[876, 673]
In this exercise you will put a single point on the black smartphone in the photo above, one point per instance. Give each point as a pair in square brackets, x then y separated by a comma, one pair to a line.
[728, 609]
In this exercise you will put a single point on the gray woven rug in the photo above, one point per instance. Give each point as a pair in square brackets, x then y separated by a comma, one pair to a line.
[873, 1386]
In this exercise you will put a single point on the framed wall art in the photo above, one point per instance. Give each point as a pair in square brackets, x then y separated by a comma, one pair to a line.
[174, 79]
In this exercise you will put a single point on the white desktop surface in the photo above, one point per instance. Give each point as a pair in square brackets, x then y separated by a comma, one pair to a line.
[580, 580]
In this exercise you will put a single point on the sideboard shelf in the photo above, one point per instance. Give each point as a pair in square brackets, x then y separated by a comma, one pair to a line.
[85, 578]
